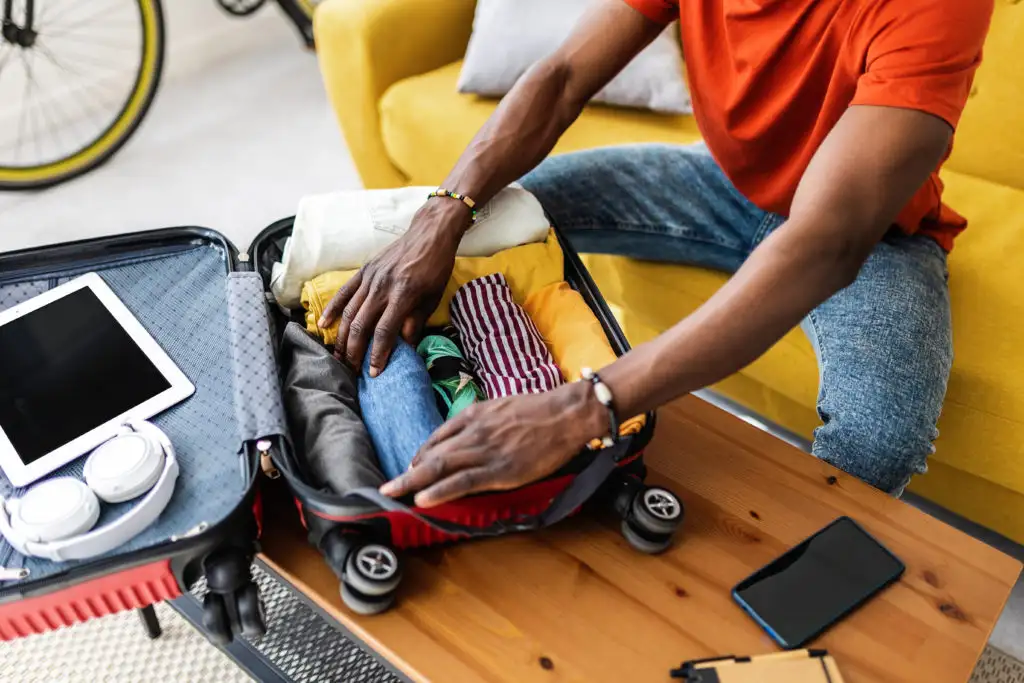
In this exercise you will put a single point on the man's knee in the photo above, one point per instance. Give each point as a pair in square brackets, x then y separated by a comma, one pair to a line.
[883, 445]
[556, 172]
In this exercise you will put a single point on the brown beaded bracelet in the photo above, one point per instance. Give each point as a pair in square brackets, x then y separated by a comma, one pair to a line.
[441, 192]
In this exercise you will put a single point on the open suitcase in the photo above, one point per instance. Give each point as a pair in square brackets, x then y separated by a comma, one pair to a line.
[194, 293]
[207, 306]
[359, 531]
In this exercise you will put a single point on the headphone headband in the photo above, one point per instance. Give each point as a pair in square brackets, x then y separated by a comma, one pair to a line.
[121, 530]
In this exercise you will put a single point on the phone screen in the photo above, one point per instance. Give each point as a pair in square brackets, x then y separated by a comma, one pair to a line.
[815, 584]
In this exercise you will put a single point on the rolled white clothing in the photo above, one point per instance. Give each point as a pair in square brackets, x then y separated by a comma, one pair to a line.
[344, 230]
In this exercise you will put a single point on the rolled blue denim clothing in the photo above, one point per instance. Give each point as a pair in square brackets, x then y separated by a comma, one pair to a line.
[399, 408]
[884, 344]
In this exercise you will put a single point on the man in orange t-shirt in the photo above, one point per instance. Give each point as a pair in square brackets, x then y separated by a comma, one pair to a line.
[824, 124]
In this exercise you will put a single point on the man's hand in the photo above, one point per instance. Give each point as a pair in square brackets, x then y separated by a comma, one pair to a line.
[502, 444]
[398, 289]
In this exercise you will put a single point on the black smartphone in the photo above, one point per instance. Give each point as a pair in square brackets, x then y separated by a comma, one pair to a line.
[817, 583]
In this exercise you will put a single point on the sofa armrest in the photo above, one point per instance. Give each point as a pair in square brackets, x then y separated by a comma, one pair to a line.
[365, 46]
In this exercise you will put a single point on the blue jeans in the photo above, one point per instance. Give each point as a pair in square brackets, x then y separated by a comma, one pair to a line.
[398, 408]
[884, 344]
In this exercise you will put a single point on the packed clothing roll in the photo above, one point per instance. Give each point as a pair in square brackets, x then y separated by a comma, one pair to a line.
[508, 354]
[344, 230]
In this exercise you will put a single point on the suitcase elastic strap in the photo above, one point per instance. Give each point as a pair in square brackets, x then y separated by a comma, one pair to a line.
[578, 492]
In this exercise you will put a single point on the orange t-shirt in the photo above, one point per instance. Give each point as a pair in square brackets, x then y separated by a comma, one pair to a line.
[770, 78]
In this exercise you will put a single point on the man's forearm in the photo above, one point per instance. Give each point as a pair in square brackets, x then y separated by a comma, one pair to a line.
[785, 278]
[546, 100]
[520, 133]
[862, 175]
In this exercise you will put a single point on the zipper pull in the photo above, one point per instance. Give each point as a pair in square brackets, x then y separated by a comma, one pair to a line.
[266, 462]
[194, 531]
[11, 574]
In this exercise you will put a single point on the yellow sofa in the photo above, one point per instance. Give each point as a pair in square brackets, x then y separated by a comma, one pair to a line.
[390, 67]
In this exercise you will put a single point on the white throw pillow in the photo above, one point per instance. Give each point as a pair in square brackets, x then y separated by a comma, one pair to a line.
[344, 230]
[509, 36]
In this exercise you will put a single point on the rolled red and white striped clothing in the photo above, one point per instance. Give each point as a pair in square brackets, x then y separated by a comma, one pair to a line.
[498, 337]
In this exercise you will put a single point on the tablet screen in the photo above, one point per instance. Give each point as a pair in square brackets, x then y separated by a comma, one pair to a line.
[65, 369]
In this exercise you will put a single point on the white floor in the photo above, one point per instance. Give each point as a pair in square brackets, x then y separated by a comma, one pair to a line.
[238, 133]
[240, 130]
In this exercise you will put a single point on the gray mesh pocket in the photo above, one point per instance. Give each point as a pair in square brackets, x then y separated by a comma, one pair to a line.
[257, 384]
[16, 293]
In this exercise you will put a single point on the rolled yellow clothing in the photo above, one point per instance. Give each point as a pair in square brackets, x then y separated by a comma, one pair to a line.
[572, 332]
[527, 268]
[574, 336]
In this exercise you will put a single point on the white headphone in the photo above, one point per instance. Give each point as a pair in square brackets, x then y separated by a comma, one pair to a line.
[53, 519]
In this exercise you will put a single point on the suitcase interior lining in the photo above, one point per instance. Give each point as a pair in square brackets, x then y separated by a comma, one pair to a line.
[182, 300]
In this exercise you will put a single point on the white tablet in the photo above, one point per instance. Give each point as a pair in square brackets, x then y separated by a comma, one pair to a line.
[75, 365]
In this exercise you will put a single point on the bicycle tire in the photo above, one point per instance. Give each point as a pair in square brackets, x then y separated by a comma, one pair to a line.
[307, 7]
[108, 142]
[300, 12]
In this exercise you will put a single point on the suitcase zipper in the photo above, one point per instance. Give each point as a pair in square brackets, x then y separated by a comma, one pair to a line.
[85, 265]
[194, 531]
[13, 574]
[264, 446]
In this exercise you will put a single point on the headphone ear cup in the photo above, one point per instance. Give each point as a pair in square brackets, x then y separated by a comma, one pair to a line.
[55, 510]
[124, 467]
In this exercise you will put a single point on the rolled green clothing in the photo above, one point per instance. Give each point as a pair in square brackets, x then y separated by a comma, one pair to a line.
[450, 374]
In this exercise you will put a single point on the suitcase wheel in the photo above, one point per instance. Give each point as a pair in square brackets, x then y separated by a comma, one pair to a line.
[233, 605]
[251, 613]
[371, 578]
[227, 614]
[651, 519]
[215, 619]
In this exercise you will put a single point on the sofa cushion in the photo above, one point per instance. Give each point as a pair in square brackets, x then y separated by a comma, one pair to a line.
[426, 124]
[982, 425]
[510, 36]
[990, 140]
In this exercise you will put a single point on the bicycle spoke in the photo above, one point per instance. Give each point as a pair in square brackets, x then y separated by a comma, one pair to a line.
[111, 64]
[69, 71]
[30, 61]
[5, 56]
[49, 124]
[29, 84]
[85, 99]
[48, 10]
[88, 40]
[119, 27]
[55, 137]
[108, 66]
[86, 20]
[60, 63]
[82, 82]
[92, 9]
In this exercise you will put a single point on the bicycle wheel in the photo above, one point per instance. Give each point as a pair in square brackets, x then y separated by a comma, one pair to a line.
[308, 7]
[76, 80]
[301, 14]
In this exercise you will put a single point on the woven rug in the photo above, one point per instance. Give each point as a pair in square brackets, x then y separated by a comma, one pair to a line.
[996, 666]
[115, 650]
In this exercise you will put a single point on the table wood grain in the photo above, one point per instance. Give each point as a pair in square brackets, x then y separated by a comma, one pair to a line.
[576, 603]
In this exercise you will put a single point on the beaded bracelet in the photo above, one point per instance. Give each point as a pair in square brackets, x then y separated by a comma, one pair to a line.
[604, 397]
[441, 192]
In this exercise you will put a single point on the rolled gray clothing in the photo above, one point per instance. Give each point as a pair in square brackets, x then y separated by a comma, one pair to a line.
[321, 400]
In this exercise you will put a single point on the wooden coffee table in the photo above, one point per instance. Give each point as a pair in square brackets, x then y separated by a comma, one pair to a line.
[576, 603]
